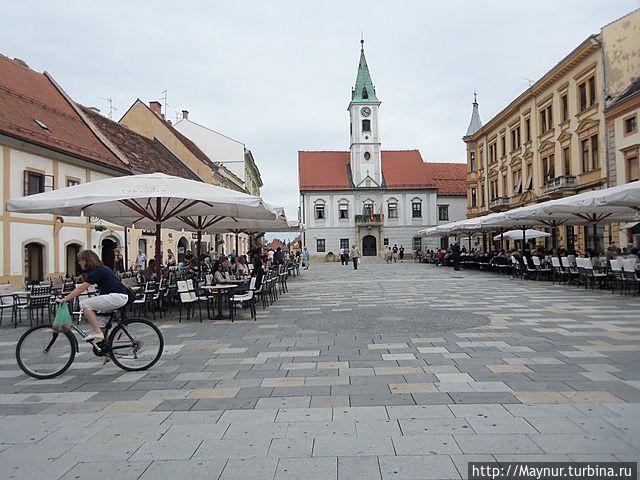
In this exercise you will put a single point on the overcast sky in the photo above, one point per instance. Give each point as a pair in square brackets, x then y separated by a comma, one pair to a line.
[277, 75]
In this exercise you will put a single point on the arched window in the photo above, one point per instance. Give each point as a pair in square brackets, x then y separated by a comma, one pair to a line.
[343, 209]
[366, 125]
[365, 94]
[416, 208]
[367, 208]
[392, 208]
[319, 210]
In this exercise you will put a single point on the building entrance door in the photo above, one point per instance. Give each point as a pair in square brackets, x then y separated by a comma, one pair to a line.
[369, 246]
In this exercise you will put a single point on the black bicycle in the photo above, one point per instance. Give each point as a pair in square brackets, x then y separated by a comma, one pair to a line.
[133, 344]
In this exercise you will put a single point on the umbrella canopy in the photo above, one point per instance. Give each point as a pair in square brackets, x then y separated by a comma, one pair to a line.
[146, 200]
[519, 234]
[154, 197]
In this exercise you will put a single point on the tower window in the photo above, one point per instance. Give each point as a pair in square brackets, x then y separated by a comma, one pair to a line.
[367, 155]
[366, 125]
[365, 94]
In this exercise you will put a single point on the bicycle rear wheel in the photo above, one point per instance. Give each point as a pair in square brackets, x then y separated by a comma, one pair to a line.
[42, 353]
[136, 344]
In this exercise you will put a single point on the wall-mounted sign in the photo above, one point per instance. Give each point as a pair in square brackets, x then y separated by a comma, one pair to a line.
[149, 233]
[194, 236]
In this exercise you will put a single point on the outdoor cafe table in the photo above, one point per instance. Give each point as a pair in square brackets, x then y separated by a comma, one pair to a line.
[220, 288]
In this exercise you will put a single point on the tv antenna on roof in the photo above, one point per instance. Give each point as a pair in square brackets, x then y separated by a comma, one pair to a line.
[165, 103]
[111, 107]
[529, 81]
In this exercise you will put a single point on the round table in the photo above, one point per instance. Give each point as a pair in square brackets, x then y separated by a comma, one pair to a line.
[220, 288]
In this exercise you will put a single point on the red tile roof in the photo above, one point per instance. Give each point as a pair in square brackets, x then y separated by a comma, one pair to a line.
[275, 243]
[27, 96]
[323, 170]
[450, 178]
[404, 170]
[401, 170]
[144, 155]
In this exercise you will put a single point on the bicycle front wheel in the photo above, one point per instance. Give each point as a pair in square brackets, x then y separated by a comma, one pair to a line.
[136, 344]
[42, 353]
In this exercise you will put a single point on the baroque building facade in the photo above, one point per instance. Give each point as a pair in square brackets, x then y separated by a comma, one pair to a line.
[366, 196]
[551, 141]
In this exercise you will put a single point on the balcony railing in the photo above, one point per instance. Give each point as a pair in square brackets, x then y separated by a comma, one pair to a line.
[375, 218]
[565, 182]
[500, 203]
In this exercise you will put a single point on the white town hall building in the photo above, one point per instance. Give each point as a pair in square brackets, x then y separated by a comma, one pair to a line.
[366, 196]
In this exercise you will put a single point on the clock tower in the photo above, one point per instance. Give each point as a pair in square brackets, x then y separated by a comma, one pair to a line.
[366, 166]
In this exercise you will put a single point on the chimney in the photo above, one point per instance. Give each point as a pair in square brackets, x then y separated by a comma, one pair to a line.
[155, 107]
[21, 62]
[185, 114]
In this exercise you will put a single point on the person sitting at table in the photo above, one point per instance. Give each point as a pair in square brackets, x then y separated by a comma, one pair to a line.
[192, 267]
[226, 264]
[207, 265]
[233, 265]
[219, 275]
[241, 268]
[149, 273]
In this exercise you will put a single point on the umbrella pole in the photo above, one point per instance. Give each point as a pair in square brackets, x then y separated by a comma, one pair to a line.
[554, 237]
[469, 242]
[199, 245]
[524, 239]
[501, 239]
[158, 238]
[595, 237]
[237, 241]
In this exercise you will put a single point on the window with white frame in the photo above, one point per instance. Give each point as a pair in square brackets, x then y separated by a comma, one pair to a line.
[320, 245]
[443, 212]
[343, 210]
[392, 208]
[319, 211]
[416, 208]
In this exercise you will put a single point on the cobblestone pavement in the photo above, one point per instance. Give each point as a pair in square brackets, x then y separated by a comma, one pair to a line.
[392, 372]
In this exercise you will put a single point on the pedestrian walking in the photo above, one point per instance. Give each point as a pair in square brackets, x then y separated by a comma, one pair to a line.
[355, 256]
[401, 253]
[342, 256]
[305, 258]
[388, 255]
[141, 261]
[455, 255]
[395, 252]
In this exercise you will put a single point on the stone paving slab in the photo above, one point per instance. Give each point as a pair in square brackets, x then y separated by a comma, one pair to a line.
[350, 375]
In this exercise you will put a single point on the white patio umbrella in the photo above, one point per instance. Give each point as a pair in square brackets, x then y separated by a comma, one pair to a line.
[235, 225]
[145, 200]
[520, 235]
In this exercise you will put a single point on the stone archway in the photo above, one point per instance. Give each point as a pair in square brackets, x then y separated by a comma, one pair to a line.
[369, 246]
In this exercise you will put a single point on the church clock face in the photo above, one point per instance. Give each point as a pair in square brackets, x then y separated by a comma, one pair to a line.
[366, 111]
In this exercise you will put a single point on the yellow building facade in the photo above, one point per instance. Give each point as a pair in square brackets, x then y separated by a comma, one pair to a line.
[551, 141]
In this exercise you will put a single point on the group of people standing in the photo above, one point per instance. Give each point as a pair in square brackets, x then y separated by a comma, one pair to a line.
[395, 253]
[352, 254]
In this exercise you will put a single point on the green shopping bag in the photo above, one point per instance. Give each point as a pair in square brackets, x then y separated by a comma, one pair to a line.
[63, 320]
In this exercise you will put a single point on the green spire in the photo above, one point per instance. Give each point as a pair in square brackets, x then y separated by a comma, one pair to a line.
[364, 91]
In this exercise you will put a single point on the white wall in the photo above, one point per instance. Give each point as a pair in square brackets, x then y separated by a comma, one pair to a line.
[218, 147]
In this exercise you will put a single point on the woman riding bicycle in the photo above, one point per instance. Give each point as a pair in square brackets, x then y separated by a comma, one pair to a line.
[113, 293]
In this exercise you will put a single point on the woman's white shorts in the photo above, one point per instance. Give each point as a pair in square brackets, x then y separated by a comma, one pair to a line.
[105, 303]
